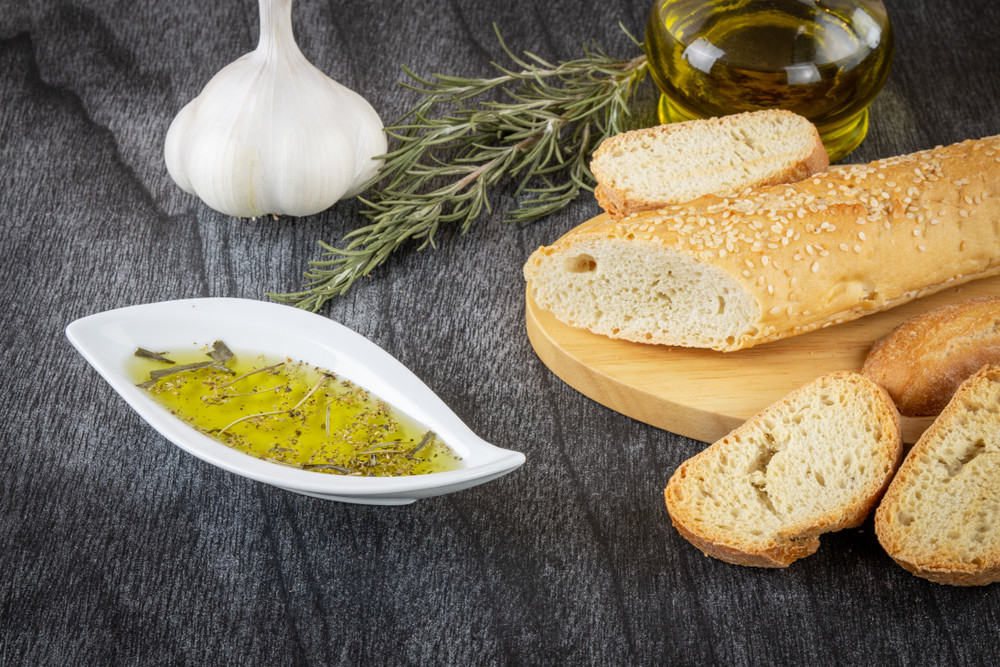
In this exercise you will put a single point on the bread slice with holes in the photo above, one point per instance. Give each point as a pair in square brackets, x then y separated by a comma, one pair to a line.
[816, 461]
[651, 168]
[940, 518]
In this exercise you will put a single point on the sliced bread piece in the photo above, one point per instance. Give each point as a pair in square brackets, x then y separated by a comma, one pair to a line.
[648, 169]
[940, 518]
[816, 461]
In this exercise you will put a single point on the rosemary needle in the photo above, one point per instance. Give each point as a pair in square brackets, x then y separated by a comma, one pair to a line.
[536, 124]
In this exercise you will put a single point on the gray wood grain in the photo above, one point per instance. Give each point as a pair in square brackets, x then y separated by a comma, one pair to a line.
[118, 548]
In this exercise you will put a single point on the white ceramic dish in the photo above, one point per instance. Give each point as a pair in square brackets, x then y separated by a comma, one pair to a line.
[108, 340]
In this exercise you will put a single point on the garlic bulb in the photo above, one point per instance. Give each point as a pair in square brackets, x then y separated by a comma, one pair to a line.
[270, 133]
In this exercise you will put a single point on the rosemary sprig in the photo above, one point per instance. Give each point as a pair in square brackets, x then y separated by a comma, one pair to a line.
[536, 123]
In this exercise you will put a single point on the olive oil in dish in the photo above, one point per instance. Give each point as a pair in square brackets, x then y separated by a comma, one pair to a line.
[290, 413]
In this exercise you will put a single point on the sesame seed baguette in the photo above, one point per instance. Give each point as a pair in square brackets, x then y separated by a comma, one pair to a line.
[940, 518]
[773, 262]
[817, 461]
[648, 169]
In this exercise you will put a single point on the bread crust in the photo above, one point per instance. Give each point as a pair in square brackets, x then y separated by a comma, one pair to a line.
[942, 565]
[794, 541]
[923, 361]
[805, 160]
[835, 247]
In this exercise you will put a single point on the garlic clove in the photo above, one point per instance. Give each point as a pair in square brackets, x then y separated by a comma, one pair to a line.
[272, 134]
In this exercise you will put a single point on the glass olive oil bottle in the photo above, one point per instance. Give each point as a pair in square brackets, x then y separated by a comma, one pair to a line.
[823, 59]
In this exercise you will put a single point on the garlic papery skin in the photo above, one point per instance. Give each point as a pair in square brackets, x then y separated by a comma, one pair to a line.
[272, 134]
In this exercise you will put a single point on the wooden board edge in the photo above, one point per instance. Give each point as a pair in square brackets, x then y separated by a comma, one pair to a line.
[688, 421]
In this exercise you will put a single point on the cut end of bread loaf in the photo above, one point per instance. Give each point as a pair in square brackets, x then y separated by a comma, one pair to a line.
[940, 518]
[651, 168]
[619, 289]
[817, 461]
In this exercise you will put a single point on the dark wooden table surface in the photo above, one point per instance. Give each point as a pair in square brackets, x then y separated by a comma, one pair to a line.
[118, 548]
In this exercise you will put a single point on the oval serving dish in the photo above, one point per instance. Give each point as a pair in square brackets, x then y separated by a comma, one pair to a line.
[108, 341]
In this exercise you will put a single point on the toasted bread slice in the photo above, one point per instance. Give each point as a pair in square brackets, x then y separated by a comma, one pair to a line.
[651, 168]
[816, 461]
[940, 518]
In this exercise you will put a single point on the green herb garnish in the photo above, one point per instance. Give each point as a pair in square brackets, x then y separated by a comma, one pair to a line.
[143, 353]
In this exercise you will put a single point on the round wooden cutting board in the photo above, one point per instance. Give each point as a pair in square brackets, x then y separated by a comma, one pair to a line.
[703, 394]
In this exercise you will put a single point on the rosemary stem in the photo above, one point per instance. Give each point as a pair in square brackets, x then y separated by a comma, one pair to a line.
[322, 381]
[540, 132]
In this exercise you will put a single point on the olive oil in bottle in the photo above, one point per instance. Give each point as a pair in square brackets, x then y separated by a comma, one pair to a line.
[823, 59]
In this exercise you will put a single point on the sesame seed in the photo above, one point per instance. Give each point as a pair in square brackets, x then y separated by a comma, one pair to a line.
[843, 246]
[963, 213]
[916, 232]
[862, 237]
[922, 248]
[857, 249]
[815, 267]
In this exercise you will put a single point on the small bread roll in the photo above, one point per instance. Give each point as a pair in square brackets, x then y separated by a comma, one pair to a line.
[923, 361]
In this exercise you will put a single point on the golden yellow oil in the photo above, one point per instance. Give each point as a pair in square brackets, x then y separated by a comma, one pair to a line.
[293, 414]
[826, 60]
